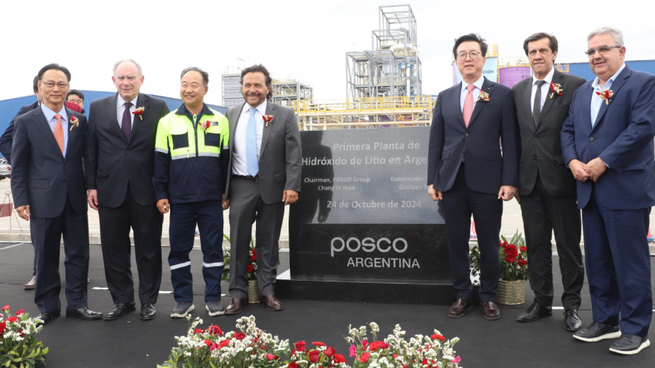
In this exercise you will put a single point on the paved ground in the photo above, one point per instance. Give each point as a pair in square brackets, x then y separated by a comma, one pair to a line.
[14, 229]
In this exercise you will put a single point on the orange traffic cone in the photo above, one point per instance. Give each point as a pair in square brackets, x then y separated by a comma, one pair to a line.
[649, 237]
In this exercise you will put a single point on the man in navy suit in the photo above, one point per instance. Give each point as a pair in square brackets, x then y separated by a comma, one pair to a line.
[6, 139]
[471, 174]
[49, 190]
[607, 141]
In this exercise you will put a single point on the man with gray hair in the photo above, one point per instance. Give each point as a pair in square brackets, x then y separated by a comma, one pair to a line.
[120, 167]
[607, 142]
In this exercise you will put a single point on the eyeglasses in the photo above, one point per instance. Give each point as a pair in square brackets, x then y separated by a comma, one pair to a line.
[51, 84]
[474, 55]
[601, 50]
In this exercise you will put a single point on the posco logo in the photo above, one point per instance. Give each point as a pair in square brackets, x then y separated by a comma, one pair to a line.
[368, 245]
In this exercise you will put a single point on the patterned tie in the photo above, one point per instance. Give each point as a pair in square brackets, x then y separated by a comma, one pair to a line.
[59, 133]
[251, 144]
[536, 106]
[126, 126]
[468, 105]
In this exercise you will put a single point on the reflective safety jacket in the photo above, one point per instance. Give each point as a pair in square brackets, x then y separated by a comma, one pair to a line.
[191, 156]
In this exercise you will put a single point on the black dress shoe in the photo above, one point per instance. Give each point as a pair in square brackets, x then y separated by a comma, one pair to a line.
[535, 312]
[459, 308]
[630, 344]
[490, 310]
[572, 321]
[48, 317]
[148, 311]
[119, 311]
[83, 313]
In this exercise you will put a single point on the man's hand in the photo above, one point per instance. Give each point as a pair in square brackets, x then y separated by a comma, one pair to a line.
[578, 170]
[289, 196]
[225, 202]
[163, 206]
[595, 168]
[24, 212]
[92, 198]
[507, 192]
[434, 194]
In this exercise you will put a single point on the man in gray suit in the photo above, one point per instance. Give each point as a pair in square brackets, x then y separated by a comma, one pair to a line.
[547, 187]
[265, 175]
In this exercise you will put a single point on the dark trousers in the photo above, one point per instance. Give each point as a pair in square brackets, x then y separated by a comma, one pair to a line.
[618, 266]
[46, 235]
[246, 207]
[115, 224]
[459, 203]
[543, 214]
[184, 217]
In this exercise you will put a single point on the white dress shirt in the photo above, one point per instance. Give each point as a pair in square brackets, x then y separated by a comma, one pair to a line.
[545, 89]
[52, 121]
[240, 160]
[120, 109]
[596, 100]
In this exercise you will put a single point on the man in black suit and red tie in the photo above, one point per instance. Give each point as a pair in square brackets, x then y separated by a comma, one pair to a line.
[49, 190]
[546, 185]
[120, 158]
[471, 174]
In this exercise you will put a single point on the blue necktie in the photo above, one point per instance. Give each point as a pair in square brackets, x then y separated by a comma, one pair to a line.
[251, 144]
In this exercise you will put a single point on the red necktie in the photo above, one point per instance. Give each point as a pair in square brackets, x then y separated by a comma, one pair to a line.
[468, 104]
[59, 133]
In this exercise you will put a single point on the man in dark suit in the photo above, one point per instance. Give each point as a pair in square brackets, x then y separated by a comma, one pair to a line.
[265, 168]
[48, 186]
[120, 167]
[607, 141]
[468, 171]
[7, 136]
[546, 185]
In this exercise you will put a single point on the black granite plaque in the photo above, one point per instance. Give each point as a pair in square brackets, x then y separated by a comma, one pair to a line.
[364, 215]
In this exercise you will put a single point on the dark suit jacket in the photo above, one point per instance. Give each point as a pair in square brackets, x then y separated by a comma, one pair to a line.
[7, 136]
[486, 168]
[541, 151]
[280, 158]
[112, 162]
[622, 137]
[41, 177]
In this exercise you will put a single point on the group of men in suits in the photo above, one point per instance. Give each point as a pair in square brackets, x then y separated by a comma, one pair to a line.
[558, 145]
[61, 163]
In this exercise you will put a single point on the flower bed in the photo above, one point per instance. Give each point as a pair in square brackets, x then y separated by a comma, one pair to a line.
[18, 345]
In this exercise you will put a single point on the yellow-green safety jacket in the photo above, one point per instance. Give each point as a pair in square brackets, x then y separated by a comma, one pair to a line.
[191, 156]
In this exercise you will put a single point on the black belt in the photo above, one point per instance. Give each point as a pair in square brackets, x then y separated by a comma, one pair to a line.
[250, 178]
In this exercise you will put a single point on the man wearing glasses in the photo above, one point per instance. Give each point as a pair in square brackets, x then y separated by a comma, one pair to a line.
[607, 142]
[49, 191]
[470, 173]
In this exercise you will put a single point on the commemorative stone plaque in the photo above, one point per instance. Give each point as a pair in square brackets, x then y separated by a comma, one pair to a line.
[364, 222]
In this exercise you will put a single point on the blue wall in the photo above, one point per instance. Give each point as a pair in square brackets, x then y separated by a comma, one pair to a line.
[9, 108]
[583, 70]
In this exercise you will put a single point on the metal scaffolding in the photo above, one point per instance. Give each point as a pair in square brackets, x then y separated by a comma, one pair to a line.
[232, 90]
[284, 92]
[393, 67]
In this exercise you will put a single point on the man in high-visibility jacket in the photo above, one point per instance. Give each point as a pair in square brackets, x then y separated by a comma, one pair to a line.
[191, 158]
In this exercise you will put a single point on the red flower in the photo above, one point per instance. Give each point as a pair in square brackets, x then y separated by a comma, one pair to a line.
[20, 312]
[511, 251]
[270, 357]
[215, 330]
[250, 268]
[224, 343]
[318, 343]
[293, 365]
[253, 255]
[522, 262]
[239, 335]
[338, 358]
[377, 345]
[6, 307]
[363, 358]
[438, 337]
[364, 344]
[313, 355]
[523, 249]
[3, 326]
[329, 351]
[12, 319]
[208, 342]
[197, 331]
[300, 346]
